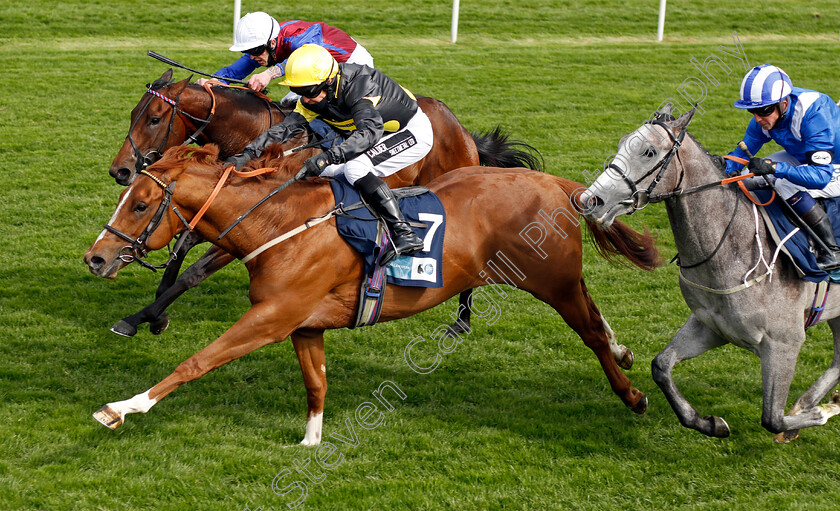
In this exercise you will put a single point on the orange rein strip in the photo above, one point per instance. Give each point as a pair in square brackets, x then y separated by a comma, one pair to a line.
[230, 169]
[739, 179]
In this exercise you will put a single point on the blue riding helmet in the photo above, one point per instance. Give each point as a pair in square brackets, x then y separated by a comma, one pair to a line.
[764, 85]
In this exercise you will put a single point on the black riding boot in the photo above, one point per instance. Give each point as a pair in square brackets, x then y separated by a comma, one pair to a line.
[819, 222]
[381, 199]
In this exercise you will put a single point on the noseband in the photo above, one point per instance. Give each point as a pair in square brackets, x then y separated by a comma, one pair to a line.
[138, 249]
[641, 198]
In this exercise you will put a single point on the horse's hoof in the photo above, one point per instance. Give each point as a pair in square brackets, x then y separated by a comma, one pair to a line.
[786, 436]
[835, 397]
[108, 417]
[720, 429]
[627, 360]
[124, 328]
[641, 406]
[159, 325]
[459, 327]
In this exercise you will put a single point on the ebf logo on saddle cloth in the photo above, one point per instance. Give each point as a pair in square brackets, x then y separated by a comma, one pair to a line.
[391, 146]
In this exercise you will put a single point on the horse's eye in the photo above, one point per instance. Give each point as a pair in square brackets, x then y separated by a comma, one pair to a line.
[140, 207]
[155, 121]
[650, 152]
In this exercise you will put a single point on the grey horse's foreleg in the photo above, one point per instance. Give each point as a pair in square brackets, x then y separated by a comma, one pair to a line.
[692, 339]
[212, 260]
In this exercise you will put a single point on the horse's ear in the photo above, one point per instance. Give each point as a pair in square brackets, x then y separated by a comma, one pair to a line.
[179, 87]
[166, 77]
[666, 110]
[685, 119]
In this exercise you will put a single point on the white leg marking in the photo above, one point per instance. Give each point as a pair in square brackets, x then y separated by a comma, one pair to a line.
[313, 430]
[138, 404]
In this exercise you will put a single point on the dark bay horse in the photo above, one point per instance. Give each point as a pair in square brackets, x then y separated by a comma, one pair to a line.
[170, 114]
[726, 253]
[310, 282]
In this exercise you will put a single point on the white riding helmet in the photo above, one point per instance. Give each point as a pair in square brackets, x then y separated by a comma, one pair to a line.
[253, 30]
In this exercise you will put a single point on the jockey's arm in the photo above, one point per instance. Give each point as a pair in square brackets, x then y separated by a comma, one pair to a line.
[242, 67]
[818, 136]
[755, 139]
[294, 123]
[369, 130]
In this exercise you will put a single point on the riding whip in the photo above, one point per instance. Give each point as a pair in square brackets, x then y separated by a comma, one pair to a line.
[791, 213]
[167, 60]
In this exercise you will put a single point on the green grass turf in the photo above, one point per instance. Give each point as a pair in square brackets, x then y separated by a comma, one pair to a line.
[519, 416]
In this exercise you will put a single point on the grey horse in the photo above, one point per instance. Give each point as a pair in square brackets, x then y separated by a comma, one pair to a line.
[737, 291]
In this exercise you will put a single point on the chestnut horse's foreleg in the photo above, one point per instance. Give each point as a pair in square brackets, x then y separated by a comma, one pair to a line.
[309, 346]
[212, 260]
[260, 326]
[580, 312]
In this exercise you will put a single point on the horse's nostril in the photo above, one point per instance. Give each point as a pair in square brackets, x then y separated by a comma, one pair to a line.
[96, 262]
[121, 175]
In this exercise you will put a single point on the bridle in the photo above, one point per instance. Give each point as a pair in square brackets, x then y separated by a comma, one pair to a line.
[641, 198]
[138, 249]
[144, 160]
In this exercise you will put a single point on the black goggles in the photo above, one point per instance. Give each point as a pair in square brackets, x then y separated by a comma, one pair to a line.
[256, 52]
[763, 111]
[309, 91]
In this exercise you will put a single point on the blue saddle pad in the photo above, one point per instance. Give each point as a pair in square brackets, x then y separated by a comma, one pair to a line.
[359, 229]
[798, 246]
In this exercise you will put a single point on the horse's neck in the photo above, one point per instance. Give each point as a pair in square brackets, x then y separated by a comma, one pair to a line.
[239, 118]
[281, 213]
[702, 219]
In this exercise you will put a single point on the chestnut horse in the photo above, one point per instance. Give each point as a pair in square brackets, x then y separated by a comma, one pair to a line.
[310, 282]
[170, 114]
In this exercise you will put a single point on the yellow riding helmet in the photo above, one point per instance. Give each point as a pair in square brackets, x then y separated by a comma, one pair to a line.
[309, 65]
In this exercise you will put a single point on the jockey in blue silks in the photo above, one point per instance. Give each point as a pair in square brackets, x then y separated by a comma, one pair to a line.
[806, 124]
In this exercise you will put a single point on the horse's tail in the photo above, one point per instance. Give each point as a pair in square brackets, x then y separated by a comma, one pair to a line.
[618, 239]
[495, 149]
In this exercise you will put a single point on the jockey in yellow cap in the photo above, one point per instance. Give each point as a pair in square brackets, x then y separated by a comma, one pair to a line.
[384, 130]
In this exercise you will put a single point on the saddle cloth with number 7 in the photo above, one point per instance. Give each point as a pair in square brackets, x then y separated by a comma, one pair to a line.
[421, 208]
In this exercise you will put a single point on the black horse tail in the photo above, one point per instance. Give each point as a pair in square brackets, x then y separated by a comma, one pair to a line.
[495, 149]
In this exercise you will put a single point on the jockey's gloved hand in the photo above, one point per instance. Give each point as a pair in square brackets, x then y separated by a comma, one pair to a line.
[761, 166]
[314, 166]
[237, 160]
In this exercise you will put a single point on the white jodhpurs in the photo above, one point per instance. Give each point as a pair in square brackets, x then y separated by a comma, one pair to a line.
[787, 189]
[391, 154]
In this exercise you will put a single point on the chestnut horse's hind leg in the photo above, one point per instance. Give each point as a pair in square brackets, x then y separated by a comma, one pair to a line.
[621, 353]
[212, 260]
[309, 346]
[580, 312]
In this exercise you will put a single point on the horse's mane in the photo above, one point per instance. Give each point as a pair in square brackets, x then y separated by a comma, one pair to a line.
[182, 155]
[207, 156]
